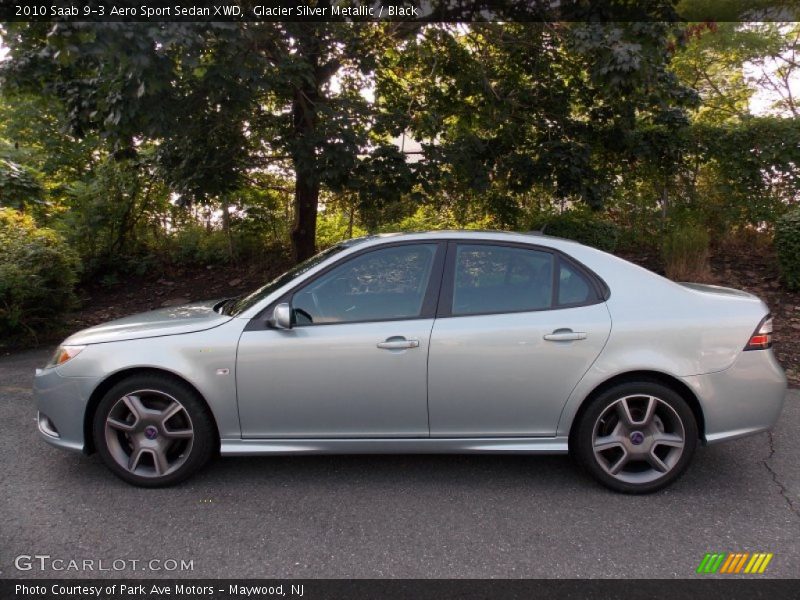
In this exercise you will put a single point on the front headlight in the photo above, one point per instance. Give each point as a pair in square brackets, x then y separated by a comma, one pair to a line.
[63, 354]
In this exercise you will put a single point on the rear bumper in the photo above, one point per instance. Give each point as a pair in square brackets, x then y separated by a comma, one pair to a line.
[744, 399]
[61, 402]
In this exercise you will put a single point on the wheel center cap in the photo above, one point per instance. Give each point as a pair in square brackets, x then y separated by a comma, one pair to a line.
[637, 437]
[150, 432]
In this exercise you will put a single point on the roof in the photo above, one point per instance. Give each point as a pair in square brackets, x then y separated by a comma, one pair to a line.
[484, 234]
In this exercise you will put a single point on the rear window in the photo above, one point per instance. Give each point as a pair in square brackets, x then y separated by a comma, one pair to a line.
[496, 279]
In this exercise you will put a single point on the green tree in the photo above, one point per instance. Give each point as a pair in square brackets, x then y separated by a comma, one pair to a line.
[220, 99]
[513, 107]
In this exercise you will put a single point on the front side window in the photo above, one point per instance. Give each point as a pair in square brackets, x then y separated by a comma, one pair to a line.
[384, 284]
[240, 305]
[497, 279]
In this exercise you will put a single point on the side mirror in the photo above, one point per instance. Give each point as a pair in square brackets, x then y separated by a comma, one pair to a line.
[281, 317]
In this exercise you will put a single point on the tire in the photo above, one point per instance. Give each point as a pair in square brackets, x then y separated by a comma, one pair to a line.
[153, 430]
[636, 437]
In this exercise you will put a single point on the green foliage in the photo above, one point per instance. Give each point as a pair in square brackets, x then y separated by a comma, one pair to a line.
[711, 61]
[146, 144]
[431, 218]
[19, 185]
[501, 132]
[334, 227]
[194, 245]
[787, 244]
[37, 276]
[685, 252]
[117, 215]
[582, 226]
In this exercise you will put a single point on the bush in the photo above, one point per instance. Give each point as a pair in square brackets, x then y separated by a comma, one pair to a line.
[787, 244]
[685, 254]
[334, 227]
[582, 226]
[193, 245]
[37, 276]
[430, 218]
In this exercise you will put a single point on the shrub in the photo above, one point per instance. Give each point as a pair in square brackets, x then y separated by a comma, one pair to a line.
[333, 227]
[582, 226]
[685, 254]
[193, 245]
[37, 276]
[787, 244]
[430, 218]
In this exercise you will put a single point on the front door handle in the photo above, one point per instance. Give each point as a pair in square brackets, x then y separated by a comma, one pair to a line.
[398, 343]
[565, 335]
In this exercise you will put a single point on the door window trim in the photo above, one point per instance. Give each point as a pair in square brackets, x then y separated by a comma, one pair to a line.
[599, 290]
[429, 302]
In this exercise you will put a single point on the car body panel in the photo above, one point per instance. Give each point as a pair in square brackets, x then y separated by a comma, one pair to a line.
[63, 401]
[745, 399]
[661, 325]
[333, 381]
[174, 320]
[205, 359]
[496, 375]
[504, 445]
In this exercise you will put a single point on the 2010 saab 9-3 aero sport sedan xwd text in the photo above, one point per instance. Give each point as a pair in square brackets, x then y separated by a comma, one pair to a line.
[426, 343]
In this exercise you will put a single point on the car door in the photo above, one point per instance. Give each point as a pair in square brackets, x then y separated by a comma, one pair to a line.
[518, 327]
[355, 362]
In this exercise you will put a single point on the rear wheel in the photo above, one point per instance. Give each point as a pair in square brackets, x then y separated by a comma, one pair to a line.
[636, 437]
[153, 430]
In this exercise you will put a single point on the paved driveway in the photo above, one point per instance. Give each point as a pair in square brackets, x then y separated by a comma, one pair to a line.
[389, 516]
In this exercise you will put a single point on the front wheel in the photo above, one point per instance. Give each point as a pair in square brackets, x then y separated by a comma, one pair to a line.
[636, 437]
[153, 430]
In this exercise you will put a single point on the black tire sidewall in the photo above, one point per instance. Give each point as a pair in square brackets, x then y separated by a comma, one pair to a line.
[582, 440]
[205, 437]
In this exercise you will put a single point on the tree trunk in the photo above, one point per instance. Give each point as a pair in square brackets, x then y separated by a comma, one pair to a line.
[226, 226]
[306, 185]
[350, 220]
[304, 231]
[305, 120]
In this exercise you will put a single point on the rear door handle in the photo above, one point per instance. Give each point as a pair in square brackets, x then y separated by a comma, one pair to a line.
[398, 343]
[565, 335]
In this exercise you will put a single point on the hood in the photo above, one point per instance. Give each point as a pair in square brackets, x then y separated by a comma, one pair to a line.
[173, 320]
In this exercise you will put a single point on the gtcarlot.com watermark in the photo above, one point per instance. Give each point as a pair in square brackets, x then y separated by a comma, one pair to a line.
[45, 562]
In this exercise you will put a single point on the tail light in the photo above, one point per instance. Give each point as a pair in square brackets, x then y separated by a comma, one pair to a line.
[762, 337]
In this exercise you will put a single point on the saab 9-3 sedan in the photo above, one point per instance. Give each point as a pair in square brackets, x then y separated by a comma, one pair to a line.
[459, 342]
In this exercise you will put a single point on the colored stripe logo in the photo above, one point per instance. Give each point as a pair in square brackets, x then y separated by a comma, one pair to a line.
[735, 562]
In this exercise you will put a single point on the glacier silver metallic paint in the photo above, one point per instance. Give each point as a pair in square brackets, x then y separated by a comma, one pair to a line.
[488, 383]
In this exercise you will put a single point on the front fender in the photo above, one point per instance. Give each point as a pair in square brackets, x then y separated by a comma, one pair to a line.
[205, 359]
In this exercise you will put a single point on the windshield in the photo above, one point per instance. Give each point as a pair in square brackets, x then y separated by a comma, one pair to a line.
[242, 304]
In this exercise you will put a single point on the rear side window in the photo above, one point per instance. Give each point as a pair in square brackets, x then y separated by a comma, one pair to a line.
[497, 279]
[573, 287]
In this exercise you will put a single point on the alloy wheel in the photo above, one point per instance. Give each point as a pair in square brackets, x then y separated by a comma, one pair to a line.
[638, 439]
[149, 433]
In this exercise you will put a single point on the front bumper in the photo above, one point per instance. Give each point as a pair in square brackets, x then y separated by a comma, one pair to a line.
[61, 402]
[744, 399]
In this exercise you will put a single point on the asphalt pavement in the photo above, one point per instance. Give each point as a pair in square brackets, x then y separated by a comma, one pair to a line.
[386, 516]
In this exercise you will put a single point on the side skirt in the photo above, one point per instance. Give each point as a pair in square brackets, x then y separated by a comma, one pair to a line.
[240, 447]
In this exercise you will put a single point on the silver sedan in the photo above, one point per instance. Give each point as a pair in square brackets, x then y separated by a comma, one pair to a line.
[426, 343]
